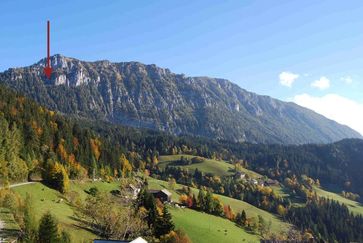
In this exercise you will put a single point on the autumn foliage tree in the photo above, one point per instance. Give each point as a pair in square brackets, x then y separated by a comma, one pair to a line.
[228, 212]
[112, 219]
[177, 236]
[57, 177]
[126, 167]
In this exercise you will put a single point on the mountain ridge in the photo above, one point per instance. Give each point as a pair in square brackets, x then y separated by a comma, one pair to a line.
[140, 95]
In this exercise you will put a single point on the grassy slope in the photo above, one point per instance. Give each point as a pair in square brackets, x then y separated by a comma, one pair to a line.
[236, 205]
[10, 229]
[46, 199]
[216, 167]
[222, 168]
[353, 206]
[183, 218]
[208, 228]
[80, 187]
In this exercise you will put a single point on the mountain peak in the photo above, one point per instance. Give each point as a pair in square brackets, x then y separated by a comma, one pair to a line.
[135, 94]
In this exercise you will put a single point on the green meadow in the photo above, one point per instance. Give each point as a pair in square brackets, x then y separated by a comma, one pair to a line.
[46, 199]
[237, 205]
[215, 167]
[353, 206]
[206, 228]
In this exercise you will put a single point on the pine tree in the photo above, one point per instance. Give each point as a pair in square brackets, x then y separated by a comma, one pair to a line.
[243, 217]
[201, 200]
[48, 229]
[164, 223]
[150, 205]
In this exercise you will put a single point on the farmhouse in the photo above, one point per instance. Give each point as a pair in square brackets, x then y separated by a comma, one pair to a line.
[135, 191]
[163, 195]
[254, 181]
[240, 175]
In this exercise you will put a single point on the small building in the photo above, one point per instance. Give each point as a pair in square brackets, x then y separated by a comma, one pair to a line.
[254, 181]
[135, 191]
[240, 176]
[163, 195]
[261, 183]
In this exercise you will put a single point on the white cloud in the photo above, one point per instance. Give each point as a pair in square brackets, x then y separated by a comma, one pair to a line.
[322, 83]
[288, 78]
[347, 80]
[335, 107]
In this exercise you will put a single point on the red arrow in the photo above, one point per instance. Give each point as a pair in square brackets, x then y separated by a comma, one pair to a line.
[48, 69]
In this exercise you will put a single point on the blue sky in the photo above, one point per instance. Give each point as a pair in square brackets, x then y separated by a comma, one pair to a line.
[306, 51]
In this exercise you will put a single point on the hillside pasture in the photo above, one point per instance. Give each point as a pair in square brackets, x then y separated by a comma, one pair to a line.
[206, 228]
[215, 167]
[237, 205]
[353, 206]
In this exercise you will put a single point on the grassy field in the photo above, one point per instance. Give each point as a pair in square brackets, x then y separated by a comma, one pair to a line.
[236, 205]
[216, 167]
[202, 227]
[81, 187]
[46, 199]
[194, 223]
[353, 206]
[9, 229]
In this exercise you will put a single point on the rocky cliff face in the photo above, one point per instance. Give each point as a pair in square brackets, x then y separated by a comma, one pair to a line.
[135, 94]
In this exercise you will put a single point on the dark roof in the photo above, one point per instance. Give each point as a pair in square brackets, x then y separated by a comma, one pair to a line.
[153, 191]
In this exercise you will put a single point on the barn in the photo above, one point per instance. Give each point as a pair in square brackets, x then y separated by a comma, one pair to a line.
[163, 195]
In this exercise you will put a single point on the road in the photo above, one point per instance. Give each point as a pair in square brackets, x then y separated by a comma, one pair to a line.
[21, 184]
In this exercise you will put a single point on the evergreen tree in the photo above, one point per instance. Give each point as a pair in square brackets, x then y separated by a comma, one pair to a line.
[150, 205]
[163, 224]
[48, 229]
[201, 200]
[243, 217]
